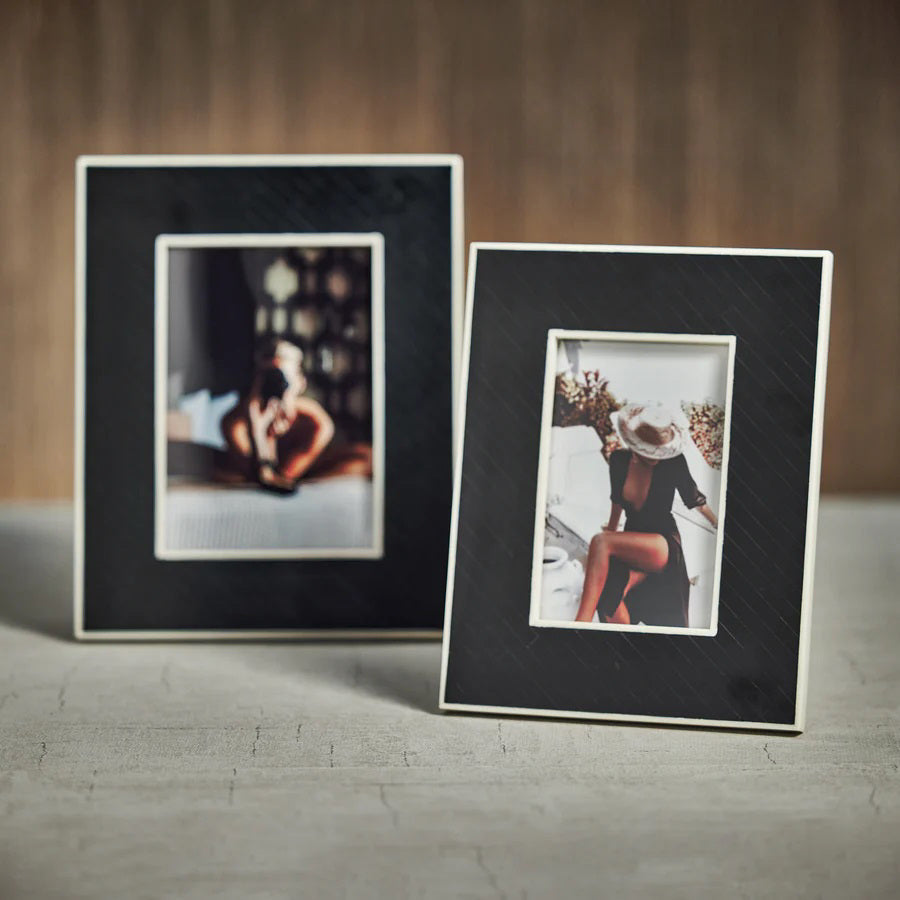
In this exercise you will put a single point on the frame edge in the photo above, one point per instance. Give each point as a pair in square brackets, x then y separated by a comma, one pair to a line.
[459, 445]
[815, 480]
[81, 167]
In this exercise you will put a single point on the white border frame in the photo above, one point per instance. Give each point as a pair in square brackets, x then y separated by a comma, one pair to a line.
[453, 161]
[166, 242]
[815, 466]
[554, 336]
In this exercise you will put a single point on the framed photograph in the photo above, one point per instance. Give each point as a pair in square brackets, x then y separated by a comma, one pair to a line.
[212, 500]
[635, 502]
[674, 440]
[267, 349]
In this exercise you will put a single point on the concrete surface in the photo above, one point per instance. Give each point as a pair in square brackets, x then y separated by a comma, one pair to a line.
[317, 770]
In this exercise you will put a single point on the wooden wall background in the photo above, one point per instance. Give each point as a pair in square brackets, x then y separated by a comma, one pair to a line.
[773, 124]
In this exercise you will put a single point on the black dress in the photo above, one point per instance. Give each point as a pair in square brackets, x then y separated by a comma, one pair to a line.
[662, 597]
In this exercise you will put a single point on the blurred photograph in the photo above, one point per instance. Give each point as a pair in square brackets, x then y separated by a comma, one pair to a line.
[631, 493]
[269, 396]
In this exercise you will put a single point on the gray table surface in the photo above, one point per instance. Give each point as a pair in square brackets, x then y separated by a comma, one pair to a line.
[325, 770]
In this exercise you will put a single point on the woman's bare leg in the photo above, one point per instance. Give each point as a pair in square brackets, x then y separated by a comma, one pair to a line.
[642, 551]
[352, 459]
[622, 615]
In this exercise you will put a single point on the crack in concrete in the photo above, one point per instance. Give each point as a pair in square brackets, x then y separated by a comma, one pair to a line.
[90, 791]
[500, 736]
[255, 741]
[331, 757]
[405, 759]
[43, 752]
[298, 732]
[769, 755]
[64, 686]
[854, 665]
[872, 802]
[382, 793]
[231, 787]
[491, 877]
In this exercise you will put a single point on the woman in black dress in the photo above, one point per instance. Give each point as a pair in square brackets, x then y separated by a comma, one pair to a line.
[639, 574]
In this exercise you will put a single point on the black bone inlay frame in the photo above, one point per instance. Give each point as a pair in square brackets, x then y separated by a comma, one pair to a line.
[752, 673]
[121, 589]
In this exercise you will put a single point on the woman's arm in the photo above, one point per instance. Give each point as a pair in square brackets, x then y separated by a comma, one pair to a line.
[615, 513]
[709, 515]
[264, 446]
[691, 495]
[301, 460]
[246, 429]
[252, 450]
[236, 432]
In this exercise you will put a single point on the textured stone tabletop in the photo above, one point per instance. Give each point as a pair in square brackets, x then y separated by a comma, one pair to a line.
[325, 770]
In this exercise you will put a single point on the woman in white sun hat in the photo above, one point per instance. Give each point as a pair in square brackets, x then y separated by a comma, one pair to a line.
[638, 574]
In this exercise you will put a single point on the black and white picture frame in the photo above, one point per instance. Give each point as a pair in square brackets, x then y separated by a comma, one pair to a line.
[636, 491]
[266, 357]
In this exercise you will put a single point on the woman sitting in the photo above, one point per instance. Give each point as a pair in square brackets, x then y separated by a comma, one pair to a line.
[276, 435]
[639, 574]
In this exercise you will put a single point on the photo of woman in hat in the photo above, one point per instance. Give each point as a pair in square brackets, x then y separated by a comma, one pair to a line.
[638, 575]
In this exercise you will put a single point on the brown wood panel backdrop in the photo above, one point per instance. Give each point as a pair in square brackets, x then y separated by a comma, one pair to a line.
[732, 123]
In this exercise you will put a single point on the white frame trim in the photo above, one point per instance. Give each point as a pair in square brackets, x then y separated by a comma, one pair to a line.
[812, 506]
[554, 336]
[166, 242]
[82, 164]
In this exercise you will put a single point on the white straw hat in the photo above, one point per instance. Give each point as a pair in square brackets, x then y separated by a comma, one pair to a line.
[650, 429]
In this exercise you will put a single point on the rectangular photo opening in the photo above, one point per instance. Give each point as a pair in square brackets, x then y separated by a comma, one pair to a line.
[631, 482]
[269, 396]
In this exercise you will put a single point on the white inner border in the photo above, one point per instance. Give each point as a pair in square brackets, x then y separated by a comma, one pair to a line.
[554, 336]
[375, 244]
[82, 165]
[815, 466]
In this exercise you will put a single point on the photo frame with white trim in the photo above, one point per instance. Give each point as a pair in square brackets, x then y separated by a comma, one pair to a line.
[265, 372]
[635, 501]
[215, 511]
[580, 440]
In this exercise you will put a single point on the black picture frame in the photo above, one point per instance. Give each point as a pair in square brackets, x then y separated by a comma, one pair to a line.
[413, 206]
[751, 670]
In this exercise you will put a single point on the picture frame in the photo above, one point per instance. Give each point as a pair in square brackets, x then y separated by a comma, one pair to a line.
[689, 402]
[266, 356]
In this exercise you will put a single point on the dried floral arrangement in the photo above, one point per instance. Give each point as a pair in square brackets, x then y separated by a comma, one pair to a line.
[587, 403]
[707, 424]
[590, 402]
